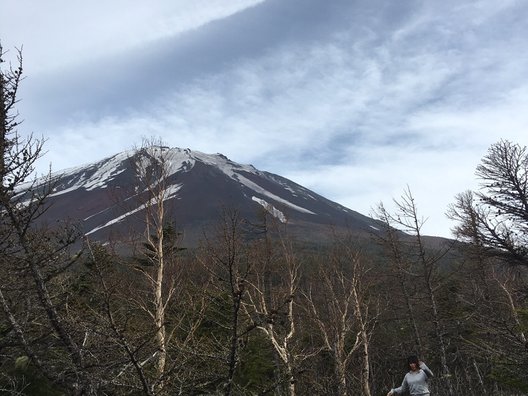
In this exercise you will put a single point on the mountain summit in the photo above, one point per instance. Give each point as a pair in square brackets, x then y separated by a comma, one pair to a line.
[105, 197]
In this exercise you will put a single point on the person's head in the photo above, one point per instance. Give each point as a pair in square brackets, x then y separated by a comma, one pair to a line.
[413, 363]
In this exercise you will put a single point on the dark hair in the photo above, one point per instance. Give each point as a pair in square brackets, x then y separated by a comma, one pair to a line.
[413, 359]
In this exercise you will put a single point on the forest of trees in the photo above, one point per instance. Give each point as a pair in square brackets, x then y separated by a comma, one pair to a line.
[252, 312]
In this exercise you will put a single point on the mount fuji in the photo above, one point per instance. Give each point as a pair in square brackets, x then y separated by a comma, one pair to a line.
[102, 197]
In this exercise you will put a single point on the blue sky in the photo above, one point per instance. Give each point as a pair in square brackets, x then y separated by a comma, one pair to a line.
[354, 99]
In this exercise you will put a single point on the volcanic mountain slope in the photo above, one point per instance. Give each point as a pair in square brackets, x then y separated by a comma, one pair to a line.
[106, 199]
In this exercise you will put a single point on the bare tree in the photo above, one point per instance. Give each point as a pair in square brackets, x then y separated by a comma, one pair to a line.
[426, 269]
[496, 216]
[272, 296]
[493, 224]
[152, 170]
[35, 259]
[400, 266]
[227, 258]
[339, 305]
[158, 366]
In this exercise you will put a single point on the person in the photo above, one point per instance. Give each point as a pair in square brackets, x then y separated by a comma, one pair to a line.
[415, 381]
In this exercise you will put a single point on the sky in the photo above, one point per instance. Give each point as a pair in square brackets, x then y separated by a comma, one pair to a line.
[356, 100]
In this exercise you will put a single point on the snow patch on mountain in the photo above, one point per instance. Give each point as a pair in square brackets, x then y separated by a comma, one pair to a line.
[233, 170]
[223, 163]
[255, 187]
[116, 220]
[170, 192]
[172, 160]
[93, 176]
[270, 209]
[285, 185]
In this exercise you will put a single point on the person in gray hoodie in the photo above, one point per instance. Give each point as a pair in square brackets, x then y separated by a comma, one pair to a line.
[415, 381]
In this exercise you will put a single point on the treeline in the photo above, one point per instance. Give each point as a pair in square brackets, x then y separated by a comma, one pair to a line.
[250, 312]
